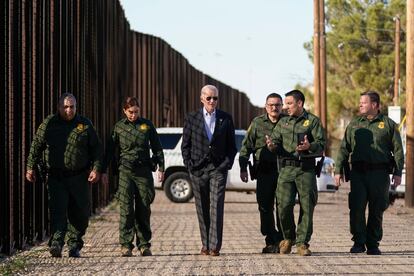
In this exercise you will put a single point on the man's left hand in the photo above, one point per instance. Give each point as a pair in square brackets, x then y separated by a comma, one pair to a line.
[244, 176]
[94, 176]
[396, 181]
[160, 176]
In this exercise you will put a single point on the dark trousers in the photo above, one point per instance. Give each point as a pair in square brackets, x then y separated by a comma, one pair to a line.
[69, 209]
[368, 188]
[135, 194]
[209, 189]
[266, 197]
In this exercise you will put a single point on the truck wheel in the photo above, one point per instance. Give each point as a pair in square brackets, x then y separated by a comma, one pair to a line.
[178, 188]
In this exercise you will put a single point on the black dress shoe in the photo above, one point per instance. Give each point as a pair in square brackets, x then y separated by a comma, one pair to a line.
[271, 248]
[357, 248]
[74, 253]
[373, 251]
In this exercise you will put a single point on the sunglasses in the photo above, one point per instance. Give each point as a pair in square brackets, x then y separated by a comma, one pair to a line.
[274, 105]
[211, 98]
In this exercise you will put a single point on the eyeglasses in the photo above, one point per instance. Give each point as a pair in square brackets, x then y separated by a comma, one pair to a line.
[274, 105]
[211, 98]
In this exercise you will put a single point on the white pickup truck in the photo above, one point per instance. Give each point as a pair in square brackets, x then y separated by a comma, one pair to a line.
[177, 183]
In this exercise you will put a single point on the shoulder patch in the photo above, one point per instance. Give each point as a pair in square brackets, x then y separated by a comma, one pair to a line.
[80, 127]
[144, 127]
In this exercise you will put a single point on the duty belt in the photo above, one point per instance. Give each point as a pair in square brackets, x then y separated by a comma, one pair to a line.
[364, 166]
[61, 173]
[291, 162]
[308, 164]
[137, 163]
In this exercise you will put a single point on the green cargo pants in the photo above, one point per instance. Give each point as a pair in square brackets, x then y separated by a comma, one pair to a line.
[68, 201]
[294, 180]
[266, 197]
[135, 194]
[368, 187]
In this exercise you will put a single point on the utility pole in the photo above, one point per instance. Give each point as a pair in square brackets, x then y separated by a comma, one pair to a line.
[322, 63]
[322, 70]
[397, 60]
[319, 64]
[409, 162]
[316, 59]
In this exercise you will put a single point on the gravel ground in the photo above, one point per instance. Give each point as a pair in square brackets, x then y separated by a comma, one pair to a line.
[176, 244]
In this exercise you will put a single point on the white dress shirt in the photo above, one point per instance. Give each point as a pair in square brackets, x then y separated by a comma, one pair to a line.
[209, 122]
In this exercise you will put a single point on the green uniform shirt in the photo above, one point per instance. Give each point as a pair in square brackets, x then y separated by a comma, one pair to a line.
[68, 145]
[135, 141]
[255, 142]
[373, 142]
[285, 134]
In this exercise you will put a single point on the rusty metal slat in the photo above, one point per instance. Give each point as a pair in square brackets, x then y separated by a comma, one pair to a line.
[85, 47]
[4, 77]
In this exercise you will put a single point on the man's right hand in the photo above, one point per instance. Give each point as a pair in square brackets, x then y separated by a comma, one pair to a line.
[396, 181]
[338, 179]
[269, 143]
[244, 176]
[31, 176]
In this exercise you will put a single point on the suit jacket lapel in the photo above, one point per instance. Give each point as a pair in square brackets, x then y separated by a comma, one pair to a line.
[200, 118]
[219, 121]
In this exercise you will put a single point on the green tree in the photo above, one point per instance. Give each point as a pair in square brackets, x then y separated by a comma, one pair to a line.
[360, 54]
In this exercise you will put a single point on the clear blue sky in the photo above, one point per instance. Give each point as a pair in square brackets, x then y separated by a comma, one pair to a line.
[255, 46]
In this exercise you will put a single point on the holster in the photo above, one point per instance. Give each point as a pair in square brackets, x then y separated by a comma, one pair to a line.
[346, 171]
[308, 165]
[392, 166]
[154, 163]
[252, 170]
[319, 166]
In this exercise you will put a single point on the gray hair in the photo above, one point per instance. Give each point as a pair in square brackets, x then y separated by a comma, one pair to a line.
[209, 87]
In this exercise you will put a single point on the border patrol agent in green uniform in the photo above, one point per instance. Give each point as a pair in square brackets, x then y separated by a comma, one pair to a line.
[135, 137]
[295, 136]
[265, 166]
[71, 147]
[373, 145]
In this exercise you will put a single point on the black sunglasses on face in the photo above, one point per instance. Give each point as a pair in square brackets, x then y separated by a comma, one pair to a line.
[274, 105]
[211, 98]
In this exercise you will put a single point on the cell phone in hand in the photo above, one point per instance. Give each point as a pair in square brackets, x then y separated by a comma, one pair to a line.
[301, 138]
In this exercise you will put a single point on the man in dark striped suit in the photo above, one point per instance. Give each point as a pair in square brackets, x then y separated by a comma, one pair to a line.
[208, 150]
